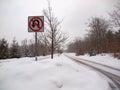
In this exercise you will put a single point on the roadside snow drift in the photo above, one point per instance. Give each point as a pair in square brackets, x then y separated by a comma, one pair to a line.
[58, 74]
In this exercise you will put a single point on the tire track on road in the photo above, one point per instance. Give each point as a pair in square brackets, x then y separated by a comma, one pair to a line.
[114, 78]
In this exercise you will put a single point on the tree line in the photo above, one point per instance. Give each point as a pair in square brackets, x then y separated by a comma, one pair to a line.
[9, 52]
[25, 49]
[103, 36]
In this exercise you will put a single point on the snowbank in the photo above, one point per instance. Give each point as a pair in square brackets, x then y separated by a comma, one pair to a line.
[57, 74]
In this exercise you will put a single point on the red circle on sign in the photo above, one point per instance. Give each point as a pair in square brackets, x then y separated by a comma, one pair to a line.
[39, 27]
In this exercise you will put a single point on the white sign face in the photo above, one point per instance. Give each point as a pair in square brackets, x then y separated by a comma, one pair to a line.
[35, 23]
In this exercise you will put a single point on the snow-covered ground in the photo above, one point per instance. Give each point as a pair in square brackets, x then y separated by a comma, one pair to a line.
[106, 59]
[58, 74]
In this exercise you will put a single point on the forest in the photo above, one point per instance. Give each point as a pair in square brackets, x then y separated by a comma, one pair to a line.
[103, 36]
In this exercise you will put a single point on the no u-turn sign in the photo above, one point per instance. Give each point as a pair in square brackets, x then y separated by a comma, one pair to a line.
[35, 23]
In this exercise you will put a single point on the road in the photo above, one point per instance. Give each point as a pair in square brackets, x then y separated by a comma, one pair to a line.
[113, 79]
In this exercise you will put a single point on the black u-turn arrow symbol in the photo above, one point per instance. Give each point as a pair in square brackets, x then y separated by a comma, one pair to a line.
[35, 24]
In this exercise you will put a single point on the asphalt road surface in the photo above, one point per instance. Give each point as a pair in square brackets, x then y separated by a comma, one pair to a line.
[114, 80]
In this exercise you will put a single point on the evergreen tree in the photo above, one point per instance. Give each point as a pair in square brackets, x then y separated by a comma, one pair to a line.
[3, 49]
[14, 50]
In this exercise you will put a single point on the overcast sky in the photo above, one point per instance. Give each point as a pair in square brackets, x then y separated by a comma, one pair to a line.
[14, 15]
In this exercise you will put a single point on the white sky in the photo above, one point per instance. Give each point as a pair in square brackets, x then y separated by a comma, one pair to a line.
[14, 15]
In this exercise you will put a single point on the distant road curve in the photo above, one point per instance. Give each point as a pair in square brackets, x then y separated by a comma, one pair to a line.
[114, 78]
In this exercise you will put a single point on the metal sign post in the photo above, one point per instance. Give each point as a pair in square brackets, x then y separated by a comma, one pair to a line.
[36, 46]
[36, 24]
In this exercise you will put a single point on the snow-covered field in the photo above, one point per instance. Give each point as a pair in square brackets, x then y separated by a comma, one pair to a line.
[106, 59]
[58, 74]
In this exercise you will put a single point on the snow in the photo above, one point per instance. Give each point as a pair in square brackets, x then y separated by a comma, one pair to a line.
[106, 59]
[60, 73]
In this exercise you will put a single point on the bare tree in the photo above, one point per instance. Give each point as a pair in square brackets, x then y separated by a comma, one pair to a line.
[53, 37]
[115, 19]
[98, 28]
[24, 48]
[115, 16]
[71, 47]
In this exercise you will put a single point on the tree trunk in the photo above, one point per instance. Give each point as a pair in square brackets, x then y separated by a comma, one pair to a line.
[52, 47]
